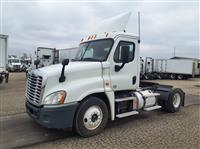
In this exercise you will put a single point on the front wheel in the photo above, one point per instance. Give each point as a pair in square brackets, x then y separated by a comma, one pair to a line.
[91, 117]
[175, 100]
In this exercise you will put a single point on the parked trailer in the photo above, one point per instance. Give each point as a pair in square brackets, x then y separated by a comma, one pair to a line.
[102, 83]
[48, 56]
[170, 68]
[68, 53]
[3, 58]
[147, 67]
[177, 68]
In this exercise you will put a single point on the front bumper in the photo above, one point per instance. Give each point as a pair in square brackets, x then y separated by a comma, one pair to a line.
[59, 117]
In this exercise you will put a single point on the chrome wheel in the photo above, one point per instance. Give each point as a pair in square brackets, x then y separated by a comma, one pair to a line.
[93, 117]
[176, 100]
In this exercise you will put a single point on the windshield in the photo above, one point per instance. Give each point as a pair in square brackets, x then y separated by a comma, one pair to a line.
[15, 61]
[94, 50]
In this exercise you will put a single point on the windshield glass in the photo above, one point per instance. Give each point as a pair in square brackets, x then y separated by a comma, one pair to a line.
[15, 61]
[94, 50]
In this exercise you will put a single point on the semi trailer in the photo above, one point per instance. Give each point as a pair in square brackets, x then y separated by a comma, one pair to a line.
[174, 68]
[101, 83]
[3, 58]
[49, 56]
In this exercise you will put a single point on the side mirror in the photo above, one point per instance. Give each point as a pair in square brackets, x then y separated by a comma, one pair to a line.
[36, 63]
[65, 62]
[124, 58]
[125, 54]
[62, 76]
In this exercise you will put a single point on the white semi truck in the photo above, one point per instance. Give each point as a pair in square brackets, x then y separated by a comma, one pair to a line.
[14, 64]
[102, 83]
[3, 58]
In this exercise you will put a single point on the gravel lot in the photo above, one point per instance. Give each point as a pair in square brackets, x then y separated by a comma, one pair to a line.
[155, 129]
[12, 95]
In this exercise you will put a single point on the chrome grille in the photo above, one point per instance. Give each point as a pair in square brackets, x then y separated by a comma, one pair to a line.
[34, 88]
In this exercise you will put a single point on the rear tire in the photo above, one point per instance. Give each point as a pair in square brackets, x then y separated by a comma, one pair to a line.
[174, 101]
[172, 76]
[91, 117]
[146, 77]
[180, 77]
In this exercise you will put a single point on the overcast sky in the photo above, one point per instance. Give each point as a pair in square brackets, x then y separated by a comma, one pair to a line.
[62, 25]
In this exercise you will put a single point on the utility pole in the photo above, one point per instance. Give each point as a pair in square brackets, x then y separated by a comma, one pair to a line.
[139, 27]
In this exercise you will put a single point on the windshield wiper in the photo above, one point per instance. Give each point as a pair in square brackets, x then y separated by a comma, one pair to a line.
[90, 59]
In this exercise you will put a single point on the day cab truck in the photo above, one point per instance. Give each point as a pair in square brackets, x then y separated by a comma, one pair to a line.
[102, 83]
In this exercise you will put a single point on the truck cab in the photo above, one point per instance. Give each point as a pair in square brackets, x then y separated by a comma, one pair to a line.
[14, 64]
[101, 83]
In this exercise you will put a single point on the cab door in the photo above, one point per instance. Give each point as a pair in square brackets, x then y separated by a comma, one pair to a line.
[128, 76]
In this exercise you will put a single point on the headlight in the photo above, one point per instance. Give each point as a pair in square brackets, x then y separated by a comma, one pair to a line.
[55, 98]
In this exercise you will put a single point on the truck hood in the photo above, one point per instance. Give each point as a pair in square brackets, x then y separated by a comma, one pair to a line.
[72, 67]
[79, 77]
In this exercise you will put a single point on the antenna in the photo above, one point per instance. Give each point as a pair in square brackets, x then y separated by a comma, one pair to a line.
[139, 26]
[174, 51]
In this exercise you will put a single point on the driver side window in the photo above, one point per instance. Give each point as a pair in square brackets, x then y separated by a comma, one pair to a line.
[131, 55]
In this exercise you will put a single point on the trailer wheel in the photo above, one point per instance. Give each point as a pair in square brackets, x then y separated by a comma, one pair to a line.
[91, 117]
[180, 77]
[174, 101]
[159, 76]
[146, 77]
[172, 76]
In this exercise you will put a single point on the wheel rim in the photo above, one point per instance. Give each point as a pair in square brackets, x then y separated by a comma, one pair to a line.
[180, 77]
[176, 100]
[172, 76]
[93, 117]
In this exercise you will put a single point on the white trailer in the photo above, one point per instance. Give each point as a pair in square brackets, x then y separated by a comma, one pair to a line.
[102, 83]
[176, 68]
[68, 53]
[147, 67]
[3, 58]
[49, 56]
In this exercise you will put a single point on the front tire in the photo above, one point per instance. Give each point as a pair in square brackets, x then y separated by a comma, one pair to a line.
[91, 117]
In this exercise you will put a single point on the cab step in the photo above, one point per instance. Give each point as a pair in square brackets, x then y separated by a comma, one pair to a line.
[125, 99]
[152, 108]
[126, 114]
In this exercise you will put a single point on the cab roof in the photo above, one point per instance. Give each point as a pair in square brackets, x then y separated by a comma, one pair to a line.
[108, 35]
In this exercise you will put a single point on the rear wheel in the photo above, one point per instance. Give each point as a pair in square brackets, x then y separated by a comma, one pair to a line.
[146, 77]
[180, 77]
[172, 76]
[91, 117]
[174, 101]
